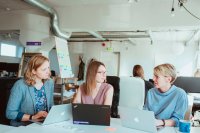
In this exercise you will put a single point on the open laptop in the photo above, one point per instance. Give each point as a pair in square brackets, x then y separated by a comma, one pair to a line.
[90, 114]
[58, 113]
[138, 119]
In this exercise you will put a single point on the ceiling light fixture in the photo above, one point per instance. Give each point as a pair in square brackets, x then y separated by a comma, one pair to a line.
[130, 1]
[172, 12]
[181, 6]
[172, 9]
[182, 1]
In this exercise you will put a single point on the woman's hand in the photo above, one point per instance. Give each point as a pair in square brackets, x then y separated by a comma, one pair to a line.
[40, 114]
[169, 122]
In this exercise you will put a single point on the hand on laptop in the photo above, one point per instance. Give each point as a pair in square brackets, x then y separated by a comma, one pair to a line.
[40, 114]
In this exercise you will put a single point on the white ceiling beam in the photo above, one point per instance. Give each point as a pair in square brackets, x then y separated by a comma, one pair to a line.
[97, 35]
[151, 36]
[196, 33]
[131, 41]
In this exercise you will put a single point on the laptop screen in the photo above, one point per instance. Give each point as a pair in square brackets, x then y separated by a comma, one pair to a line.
[91, 114]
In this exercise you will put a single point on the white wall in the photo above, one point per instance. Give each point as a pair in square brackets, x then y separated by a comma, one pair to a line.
[146, 55]
[137, 54]
[129, 55]
[184, 62]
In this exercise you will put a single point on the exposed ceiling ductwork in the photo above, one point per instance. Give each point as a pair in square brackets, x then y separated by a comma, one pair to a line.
[187, 35]
[102, 36]
[54, 17]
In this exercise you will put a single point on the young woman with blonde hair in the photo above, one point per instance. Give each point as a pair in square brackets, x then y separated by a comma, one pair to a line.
[168, 102]
[95, 90]
[32, 96]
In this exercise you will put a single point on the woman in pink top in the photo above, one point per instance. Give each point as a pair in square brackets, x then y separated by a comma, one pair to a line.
[95, 90]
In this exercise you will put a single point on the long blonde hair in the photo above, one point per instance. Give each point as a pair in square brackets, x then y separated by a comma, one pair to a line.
[34, 63]
[91, 76]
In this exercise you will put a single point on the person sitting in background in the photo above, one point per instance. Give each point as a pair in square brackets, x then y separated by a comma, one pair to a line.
[139, 72]
[31, 97]
[168, 102]
[95, 90]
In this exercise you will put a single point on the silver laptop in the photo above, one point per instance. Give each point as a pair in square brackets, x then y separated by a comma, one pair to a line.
[58, 113]
[138, 119]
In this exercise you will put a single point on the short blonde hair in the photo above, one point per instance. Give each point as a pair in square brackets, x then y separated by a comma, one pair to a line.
[166, 70]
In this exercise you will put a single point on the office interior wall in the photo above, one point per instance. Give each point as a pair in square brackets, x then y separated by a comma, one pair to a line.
[184, 62]
[144, 54]
[130, 55]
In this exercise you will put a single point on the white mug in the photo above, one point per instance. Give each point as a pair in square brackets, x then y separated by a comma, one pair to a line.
[197, 115]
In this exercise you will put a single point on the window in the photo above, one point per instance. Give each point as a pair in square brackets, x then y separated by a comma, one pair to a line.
[8, 50]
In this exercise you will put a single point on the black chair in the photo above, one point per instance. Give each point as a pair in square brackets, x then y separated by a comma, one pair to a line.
[114, 81]
[53, 73]
[151, 80]
[5, 87]
[190, 85]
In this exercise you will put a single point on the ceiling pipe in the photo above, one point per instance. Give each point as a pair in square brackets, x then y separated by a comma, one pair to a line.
[97, 35]
[54, 17]
[131, 41]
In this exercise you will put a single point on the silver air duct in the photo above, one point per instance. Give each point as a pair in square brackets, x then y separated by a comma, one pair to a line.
[54, 17]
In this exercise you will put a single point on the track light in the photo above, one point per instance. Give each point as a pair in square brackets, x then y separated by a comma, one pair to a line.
[181, 6]
[172, 12]
[172, 9]
[182, 1]
[130, 1]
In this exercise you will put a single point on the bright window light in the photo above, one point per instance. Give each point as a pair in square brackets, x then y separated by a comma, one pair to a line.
[8, 50]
